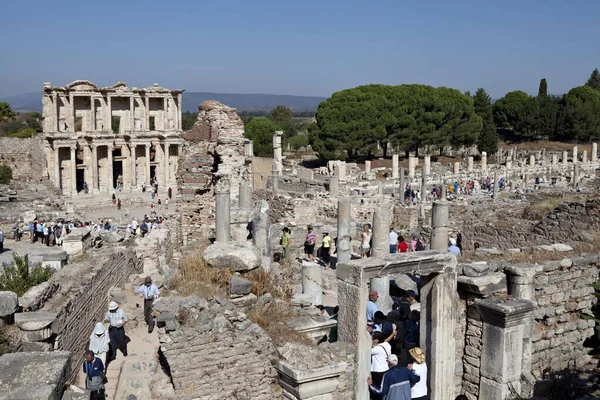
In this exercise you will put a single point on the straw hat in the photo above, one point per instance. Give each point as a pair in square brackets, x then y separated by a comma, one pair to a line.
[113, 305]
[417, 354]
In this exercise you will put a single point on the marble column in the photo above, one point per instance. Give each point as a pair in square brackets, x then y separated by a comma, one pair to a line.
[402, 184]
[576, 175]
[147, 114]
[584, 157]
[381, 231]
[343, 230]
[395, 166]
[367, 167]
[95, 175]
[179, 110]
[495, 192]
[165, 119]
[222, 212]
[594, 152]
[166, 161]
[575, 155]
[131, 113]
[111, 178]
[381, 285]
[483, 160]
[148, 178]
[277, 153]
[248, 148]
[71, 116]
[565, 157]
[93, 113]
[334, 186]
[57, 167]
[245, 199]
[412, 166]
[456, 168]
[108, 124]
[427, 165]
[73, 170]
[56, 113]
[132, 151]
[508, 164]
[312, 282]
[439, 225]
[554, 160]
[532, 160]
[470, 164]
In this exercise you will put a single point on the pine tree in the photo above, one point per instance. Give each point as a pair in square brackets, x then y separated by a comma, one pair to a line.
[543, 90]
[488, 139]
[594, 80]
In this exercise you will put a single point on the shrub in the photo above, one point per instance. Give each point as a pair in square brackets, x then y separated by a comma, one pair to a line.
[24, 133]
[298, 141]
[5, 174]
[19, 278]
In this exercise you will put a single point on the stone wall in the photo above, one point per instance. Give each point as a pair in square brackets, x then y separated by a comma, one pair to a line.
[471, 357]
[215, 352]
[563, 293]
[81, 298]
[26, 157]
[571, 222]
[261, 171]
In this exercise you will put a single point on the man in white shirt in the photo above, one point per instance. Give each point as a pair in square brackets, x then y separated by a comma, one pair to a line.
[116, 330]
[150, 293]
[393, 241]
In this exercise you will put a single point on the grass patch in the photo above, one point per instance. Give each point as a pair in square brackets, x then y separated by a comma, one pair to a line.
[196, 277]
[272, 317]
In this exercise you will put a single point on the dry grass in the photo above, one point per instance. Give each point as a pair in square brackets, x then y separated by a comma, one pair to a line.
[543, 144]
[196, 277]
[272, 317]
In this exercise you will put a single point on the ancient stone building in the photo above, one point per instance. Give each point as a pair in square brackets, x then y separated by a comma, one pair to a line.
[101, 134]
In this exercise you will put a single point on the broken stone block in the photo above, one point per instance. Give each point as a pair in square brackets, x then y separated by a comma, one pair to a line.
[482, 252]
[561, 247]
[476, 269]
[239, 286]
[9, 303]
[313, 326]
[317, 383]
[163, 318]
[483, 285]
[239, 256]
[33, 321]
[244, 301]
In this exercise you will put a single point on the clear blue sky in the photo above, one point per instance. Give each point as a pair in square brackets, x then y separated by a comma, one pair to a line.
[303, 47]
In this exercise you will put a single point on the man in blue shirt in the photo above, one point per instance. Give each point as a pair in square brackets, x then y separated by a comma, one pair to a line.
[371, 306]
[150, 293]
[94, 376]
[396, 382]
[453, 248]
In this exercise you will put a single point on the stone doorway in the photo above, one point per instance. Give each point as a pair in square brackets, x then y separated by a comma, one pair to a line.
[117, 171]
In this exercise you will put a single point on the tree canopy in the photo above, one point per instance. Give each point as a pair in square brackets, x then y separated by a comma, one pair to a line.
[6, 112]
[517, 112]
[581, 114]
[283, 117]
[260, 131]
[357, 120]
[488, 138]
[594, 80]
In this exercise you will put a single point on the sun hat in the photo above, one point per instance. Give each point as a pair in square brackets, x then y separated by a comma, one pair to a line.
[392, 359]
[453, 241]
[113, 305]
[417, 354]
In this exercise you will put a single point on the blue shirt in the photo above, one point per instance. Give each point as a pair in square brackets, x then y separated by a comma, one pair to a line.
[454, 250]
[94, 368]
[371, 310]
[396, 383]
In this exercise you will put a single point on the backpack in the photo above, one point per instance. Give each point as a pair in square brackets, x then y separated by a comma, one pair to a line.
[420, 246]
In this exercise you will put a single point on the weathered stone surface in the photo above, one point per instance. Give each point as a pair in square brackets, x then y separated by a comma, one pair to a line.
[9, 303]
[239, 256]
[33, 321]
[239, 286]
[475, 269]
[34, 376]
[483, 285]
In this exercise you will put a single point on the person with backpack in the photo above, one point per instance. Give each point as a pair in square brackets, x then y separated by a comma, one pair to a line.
[379, 354]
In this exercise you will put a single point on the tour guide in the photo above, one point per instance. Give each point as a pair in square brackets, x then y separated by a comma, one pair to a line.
[150, 293]
[116, 319]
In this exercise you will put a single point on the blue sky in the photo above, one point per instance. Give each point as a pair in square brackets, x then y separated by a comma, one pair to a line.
[304, 47]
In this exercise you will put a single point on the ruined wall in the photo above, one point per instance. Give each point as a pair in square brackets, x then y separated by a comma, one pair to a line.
[471, 345]
[78, 295]
[26, 157]
[563, 293]
[215, 352]
[571, 222]
[261, 170]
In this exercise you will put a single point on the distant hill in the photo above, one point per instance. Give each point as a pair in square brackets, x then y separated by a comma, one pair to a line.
[191, 100]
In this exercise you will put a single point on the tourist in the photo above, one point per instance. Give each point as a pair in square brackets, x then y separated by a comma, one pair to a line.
[333, 332]
[285, 242]
[118, 204]
[393, 241]
[372, 306]
[85, 188]
[326, 248]
[453, 248]
[116, 330]
[1, 240]
[378, 320]
[459, 241]
[150, 293]
[365, 241]
[396, 382]
[170, 192]
[411, 336]
[153, 193]
[403, 305]
[134, 226]
[114, 198]
[46, 233]
[309, 244]
[99, 342]
[402, 246]
[159, 204]
[107, 226]
[93, 368]
[380, 351]
[166, 204]
[39, 229]
[391, 327]
[419, 390]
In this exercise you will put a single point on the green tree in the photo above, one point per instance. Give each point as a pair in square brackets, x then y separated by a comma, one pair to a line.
[298, 141]
[260, 131]
[24, 133]
[580, 117]
[488, 138]
[19, 277]
[283, 117]
[517, 112]
[593, 81]
[543, 89]
[6, 113]
[5, 174]
[188, 119]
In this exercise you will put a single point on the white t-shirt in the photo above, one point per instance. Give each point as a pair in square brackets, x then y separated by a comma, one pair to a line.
[393, 238]
[420, 388]
[379, 355]
[366, 240]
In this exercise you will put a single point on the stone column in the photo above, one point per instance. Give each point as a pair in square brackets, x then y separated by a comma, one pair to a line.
[381, 285]
[576, 175]
[594, 152]
[93, 113]
[526, 181]
[483, 160]
[248, 148]
[165, 117]
[111, 178]
[439, 224]
[427, 165]
[71, 116]
[456, 168]
[367, 167]
[57, 166]
[312, 281]
[495, 193]
[245, 200]
[575, 159]
[508, 164]
[131, 113]
[261, 233]
[423, 187]
[334, 186]
[343, 230]
[412, 165]
[148, 179]
[277, 155]
[95, 174]
[402, 184]
[341, 171]
[147, 114]
[584, 157]
[73, 170]
[504, 322]
[379, 187]
[470, 164]
[554, 160]
[532, 160]
[55, 112]
[166, 157]
[395, 166]
[565, 157]
[132, 150]
[381, 231]
[108, 124]
[179, 110]
[222, 211]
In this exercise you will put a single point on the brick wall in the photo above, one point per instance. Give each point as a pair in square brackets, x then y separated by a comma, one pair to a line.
[26, 157]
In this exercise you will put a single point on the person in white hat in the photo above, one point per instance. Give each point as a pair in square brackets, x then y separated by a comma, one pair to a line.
[453, 248]
[99, 342]
[116, 329]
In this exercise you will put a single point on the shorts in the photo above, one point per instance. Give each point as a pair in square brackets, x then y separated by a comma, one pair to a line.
[365, 250]
[309, 249]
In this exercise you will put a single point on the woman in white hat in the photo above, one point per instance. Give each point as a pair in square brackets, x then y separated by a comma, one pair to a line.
[419, 367]
[99, 340]
[116, 330]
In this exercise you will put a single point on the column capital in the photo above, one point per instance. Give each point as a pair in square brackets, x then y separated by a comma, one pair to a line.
[148, 146]
[110, 147]
[73, 147]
